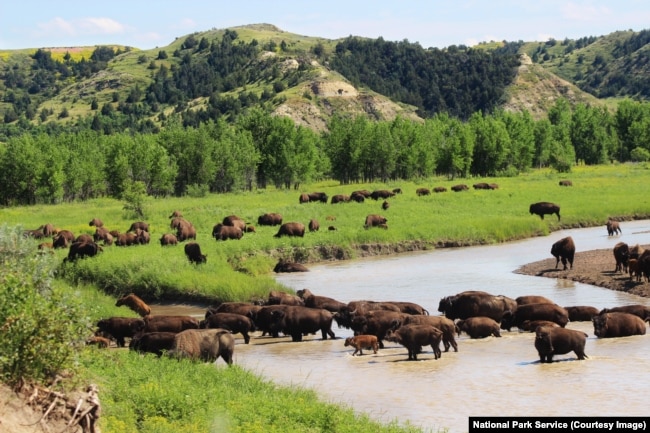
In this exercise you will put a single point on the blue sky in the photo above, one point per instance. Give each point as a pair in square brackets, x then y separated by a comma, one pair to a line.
[432, 23]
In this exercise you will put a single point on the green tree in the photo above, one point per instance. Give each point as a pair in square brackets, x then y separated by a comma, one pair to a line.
[135, 196]
[562, 154]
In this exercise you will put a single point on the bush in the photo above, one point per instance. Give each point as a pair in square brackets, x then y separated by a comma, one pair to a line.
[39, 324]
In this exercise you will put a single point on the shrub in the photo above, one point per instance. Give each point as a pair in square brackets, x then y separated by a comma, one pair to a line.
[39, 324]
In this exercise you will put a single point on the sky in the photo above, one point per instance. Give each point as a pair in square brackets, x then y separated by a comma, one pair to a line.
[431, 23]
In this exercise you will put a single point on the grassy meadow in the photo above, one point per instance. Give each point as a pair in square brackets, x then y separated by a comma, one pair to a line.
[242, 269]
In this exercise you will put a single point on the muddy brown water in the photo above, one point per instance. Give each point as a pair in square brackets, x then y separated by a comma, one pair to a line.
[492, 376]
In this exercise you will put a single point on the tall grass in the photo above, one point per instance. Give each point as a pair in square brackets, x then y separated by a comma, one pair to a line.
[240, 270]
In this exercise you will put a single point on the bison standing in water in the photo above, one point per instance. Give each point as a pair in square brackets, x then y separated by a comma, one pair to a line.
[564, 250]
[545, 208]
[613, 228]
[551, 341]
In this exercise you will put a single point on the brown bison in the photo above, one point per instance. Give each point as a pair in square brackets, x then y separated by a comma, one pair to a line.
[157, 343]
[381, 194]
[138, 225]
[551, 312]
[193, 253]
[360, 342]
[566, 182]
[186, 232]
[385, 205]
[544, 208]
[204, 344]
[358, 196]
[178, 222]
[460, 187]
[581, 313]
[285, 266]
[304, 198]
[474, 303]
[291, 229]
[235, 323]
[221, 232]
[479, 327]
[63, 239]
[374, 220]
[269, 219]
[318, 196]
[564, 250]
[314, 225]
[317, 301]
[244, 308]
[119, 328]
[439, 189]
[85, 237]
[278, 297]
[639, 310]
[134, 303]
[550, 341]
[96, 222]
[413, 337]
[447, 326]
[296, 321]
[176, 214]
[48, 230]
[532, 299]
[377, 323]
[234, 221]
[126, 239]
[422, 191]
[101, 342]
[168, 239]
[481, 185]
[340, 198]
[613, 228]
[80, 250]
[166, 323]
[618, 324]
[621, 256]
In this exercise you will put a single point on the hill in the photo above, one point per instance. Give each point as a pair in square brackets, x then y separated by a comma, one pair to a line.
[223, 72]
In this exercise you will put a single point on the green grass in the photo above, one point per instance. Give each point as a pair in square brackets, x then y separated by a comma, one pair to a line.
[241, 270]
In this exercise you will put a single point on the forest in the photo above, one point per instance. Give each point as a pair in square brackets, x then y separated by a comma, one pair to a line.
[260, 150]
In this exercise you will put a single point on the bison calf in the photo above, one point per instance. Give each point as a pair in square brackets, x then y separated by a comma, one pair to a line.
[360, 342]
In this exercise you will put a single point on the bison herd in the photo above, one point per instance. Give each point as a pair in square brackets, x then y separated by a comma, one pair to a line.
[476, 313]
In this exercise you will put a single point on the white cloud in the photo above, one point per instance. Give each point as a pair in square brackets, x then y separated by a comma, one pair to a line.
[56, 26]
[103, 26]
[185, 24]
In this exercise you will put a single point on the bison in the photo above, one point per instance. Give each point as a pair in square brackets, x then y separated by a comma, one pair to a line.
[564, 250]
[360, 342]
[637, 309]
[413, 337]
[551, 312]
[153, 342]
[374, 220]
[235, 323]
[119, 328]
[317, 301]
[340, 198]
[476, 303]
[550, 341]
[459, 188]
[381, 194]
[138, 225]
[621, 256]
[269, 219]
[134, 303]
[479, 327]
[439, 189]
[613, 228]
[314, 225]
[566, 182]
[296, 321]
[168, 239]
[193, 253]
[291, 229]
[79, 250]
[304, 198]
[377, 323]
[285, 266]
[618, 324]
[545, 208]
[581, 313]
[186, 232]
[422, 191]
[204, 344]
[96, 222]
[221, 232]
[165, 323]
[481, 185]
[447, 326]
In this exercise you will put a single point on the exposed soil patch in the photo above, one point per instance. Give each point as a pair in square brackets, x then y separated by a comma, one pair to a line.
[595, 267]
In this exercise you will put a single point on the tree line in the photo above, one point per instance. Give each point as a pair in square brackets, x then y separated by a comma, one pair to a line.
[261, 150]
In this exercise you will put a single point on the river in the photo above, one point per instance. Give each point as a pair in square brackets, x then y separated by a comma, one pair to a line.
[487, 377]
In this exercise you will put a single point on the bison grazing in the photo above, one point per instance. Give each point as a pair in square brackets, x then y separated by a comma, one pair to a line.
[79, 250]
[566, 183]
[481, 185]
[168, 239]
[314, 225]
[385, 205]
[550, 341]
[422, 191]
[96, 222]
[223, 232]
[545, 208]
[622, 256]
[613, 228]
[176, 214]
[193, 253]
[185, 232]
[138, 225]
[460, 187]
[269, 219]
[374, 221]
[340, 198]
[134, 303]
[413, 337]
[304, 198]
[381, 194]
[360, 342]
[439, 189]
[564, 250]
[291, 229]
